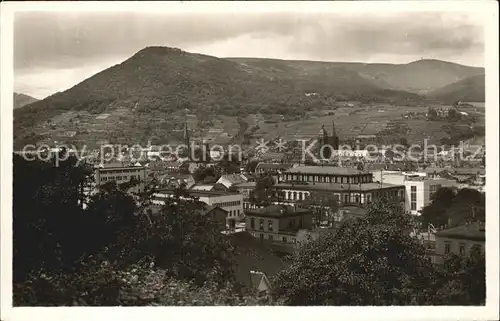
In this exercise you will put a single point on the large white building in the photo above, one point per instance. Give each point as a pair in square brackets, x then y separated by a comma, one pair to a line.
[116, 172]
[419, 188]
[348, 185]
[230, 202]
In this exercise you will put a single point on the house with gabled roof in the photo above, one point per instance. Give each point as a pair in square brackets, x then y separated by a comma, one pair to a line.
[260, 282]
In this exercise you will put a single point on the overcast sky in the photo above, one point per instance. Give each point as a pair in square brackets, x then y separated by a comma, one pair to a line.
[55, 51]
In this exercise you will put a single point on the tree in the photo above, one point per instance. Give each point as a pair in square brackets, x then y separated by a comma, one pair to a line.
[434, 212]
[432, 114]
[324, 205]
[251, 165]
[264, 193]
[47, 214]
[202, 172]
[101, 283]
[188, 244]
[453, 114]
[454, 208]
[229, 164]
[369, 261]
[462, 280]
[59, 248]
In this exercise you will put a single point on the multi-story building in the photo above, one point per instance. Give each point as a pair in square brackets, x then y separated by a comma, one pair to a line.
[232, 203]
[419, 187]
[459, 240]
[246, 189]
[263, 169]
[120, 174]
[278, 223]
[349, 186]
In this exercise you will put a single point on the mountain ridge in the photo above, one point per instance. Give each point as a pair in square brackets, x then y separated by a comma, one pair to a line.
[470, 89]
[157, 82]
[21, 100]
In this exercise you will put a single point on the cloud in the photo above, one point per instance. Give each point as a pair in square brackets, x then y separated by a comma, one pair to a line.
[51, 43]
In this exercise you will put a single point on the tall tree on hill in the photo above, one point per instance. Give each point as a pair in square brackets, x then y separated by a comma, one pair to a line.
[370, 261]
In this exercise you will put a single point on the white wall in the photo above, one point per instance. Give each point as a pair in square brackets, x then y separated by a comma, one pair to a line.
[423, 192]
[231, 209]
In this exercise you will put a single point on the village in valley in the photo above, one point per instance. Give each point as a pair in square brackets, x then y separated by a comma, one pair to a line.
[179, 178]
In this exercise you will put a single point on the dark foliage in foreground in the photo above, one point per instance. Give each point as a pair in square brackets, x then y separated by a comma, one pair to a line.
[117, 251]
[122, 251]
[374, 260]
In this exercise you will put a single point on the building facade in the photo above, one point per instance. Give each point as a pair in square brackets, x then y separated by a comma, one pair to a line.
[121, 174]
[460, 240]
[263, 169]
[232, 203]
[349, 186]
[419, 187]
[278, 223]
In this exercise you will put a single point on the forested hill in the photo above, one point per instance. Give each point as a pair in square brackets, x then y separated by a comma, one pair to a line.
[157, 81]
[468, 89]
[21, 100]
[162, 78]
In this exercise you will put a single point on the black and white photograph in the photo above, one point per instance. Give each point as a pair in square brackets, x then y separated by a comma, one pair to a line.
[251, 154]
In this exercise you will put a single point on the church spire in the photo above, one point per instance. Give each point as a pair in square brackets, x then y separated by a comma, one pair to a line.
[334, 132]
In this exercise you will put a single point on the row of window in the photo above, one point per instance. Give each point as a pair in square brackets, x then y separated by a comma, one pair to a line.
[234, 213]
[119, 178]
[284, 239]
[461, 248]
[224, 204]
[121, 171]
[329, 179]
[261, 224]
[292, 224]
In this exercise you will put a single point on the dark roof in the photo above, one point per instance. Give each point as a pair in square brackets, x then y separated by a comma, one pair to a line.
[116, 167]
[273, 166]
[233, 178]
[325, 170]
[200, 193]
[209, 208]
[277, 211]
[472, 231]
[253, 255]
[255, 278]
[337, 186]
[462, 171]
[246, 185]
